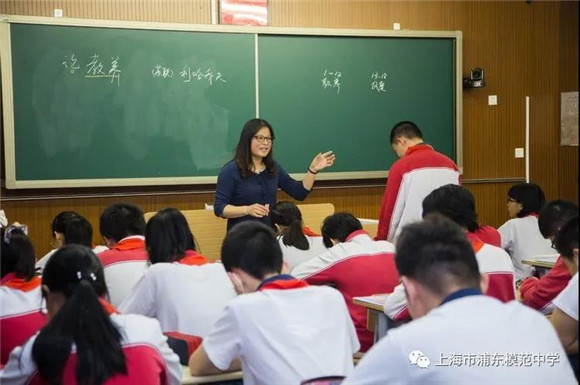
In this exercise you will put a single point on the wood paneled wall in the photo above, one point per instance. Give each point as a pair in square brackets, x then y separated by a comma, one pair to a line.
[524, 49]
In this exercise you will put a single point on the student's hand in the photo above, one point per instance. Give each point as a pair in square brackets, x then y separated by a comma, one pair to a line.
[322, 161]
[237, 282]
[257, 210]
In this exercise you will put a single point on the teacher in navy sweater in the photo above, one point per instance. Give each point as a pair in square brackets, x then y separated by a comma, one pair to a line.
[247, 185]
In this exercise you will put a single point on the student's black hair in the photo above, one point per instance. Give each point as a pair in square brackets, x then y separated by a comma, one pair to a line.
[530, 196]
[407, 130]
[61, 220]
[252, 247]
[78, 231]
[167, 236]
[453, 202]
[17, 255]
[553, 215]
[339, 226]
[567, 239]
[243, 156]
[436, 253]
[287, 214]
[75, 272]
[121, 220]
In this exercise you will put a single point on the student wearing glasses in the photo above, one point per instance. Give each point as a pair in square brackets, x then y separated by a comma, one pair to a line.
[520, 236]
[247, 185]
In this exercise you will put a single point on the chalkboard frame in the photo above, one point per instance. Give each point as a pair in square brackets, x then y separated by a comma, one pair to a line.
[11, 182]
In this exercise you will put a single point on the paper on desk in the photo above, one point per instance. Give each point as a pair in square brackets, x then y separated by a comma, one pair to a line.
[377, 299]
[546, 258]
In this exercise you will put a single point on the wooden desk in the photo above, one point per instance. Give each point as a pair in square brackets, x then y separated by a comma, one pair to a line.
[542, 263]
[377, 321]
[187, 379]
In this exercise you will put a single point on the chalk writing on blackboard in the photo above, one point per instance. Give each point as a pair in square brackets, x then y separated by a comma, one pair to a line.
[71, 63]
[188, 74]
[96, 67]
[331, 80]
[378, 82]
[160, 71]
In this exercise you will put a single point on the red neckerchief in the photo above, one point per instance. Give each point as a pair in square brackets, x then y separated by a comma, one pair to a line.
[309, 233]
[418, 147]
[110, 309]
[10, 280]
[191, 258]
[129, 244]
[281, 282]
[476, 243]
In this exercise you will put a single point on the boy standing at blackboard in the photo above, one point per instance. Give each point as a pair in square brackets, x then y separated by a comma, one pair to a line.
[419, 171]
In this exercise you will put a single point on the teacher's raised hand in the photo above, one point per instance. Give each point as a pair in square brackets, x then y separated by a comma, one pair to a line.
[321, 161]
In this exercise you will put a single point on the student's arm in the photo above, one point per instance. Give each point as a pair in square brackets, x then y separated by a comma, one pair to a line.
[388, 220]
[539, 293]
[201, 365]
[396, 304]
[317, 270]
[220, 348]
[20, 367]
[567, 330]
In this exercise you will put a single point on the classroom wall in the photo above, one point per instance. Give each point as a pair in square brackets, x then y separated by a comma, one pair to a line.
[525, 50]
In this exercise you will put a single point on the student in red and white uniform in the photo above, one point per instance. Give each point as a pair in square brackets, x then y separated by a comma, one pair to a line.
[538, 293]
[419, 171]
[21, 303]
[355, 264]
[122, 226]
[284, 330]
[457, 203]
[69, 227]
[520, 236]
[181, 289]
[457, 335]
[298, 243]
[86, 341]
[565, 315]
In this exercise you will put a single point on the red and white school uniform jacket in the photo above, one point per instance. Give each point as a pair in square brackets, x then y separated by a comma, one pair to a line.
[522, 239]
[491, 260]
[410, 180]
[124, 264]
[149, 359]
[187, 296]
[539, 293]
[357, 267]
[21, 312]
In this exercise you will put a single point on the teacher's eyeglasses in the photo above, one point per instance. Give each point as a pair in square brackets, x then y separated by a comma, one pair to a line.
[262, 139]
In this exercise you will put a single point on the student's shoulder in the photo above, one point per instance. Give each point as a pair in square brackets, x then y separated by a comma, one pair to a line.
[137, 328]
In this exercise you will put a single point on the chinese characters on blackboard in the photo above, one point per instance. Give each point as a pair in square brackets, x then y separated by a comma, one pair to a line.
[331, 81]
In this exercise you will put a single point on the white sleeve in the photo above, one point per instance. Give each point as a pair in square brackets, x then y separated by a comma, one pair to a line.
[385, 363]
[223, 343]
[396, 302]
[20, 367]
[567, 300]
[314, 265]
[42, 261]
[174, 372]
[142, 297]
[507, 236]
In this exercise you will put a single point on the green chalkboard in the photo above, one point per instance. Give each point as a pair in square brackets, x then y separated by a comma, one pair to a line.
[118, 104]
[346, 93]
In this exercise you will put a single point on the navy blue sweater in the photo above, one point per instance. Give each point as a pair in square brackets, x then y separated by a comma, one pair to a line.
[257, 188]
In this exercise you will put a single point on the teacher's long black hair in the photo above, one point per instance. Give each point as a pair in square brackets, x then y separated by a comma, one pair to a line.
[75, 272]
[243, 155]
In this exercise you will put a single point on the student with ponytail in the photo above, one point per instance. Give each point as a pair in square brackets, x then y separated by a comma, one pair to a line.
[85, 340]
[21, 312]
[298, 243]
